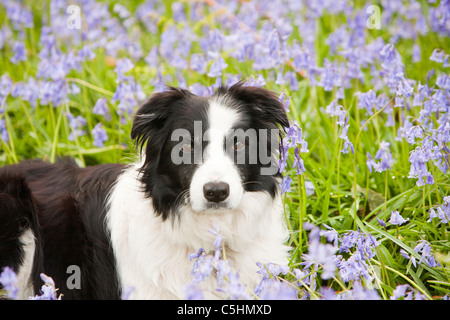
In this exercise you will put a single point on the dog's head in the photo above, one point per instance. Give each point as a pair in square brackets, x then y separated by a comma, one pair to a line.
[205, 153]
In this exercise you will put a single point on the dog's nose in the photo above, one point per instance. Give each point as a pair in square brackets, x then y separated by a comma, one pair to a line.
[216, 191]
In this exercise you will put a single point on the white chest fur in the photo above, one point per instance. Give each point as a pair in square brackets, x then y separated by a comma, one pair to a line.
[152, 255]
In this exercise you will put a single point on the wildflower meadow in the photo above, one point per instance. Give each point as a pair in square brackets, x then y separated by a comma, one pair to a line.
[365, 161]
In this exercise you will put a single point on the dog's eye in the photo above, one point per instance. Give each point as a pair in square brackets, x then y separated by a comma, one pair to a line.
[239, 145]
[186, 147]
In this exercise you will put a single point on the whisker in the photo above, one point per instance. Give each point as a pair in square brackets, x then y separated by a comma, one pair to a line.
[249, 182]
[182, 195]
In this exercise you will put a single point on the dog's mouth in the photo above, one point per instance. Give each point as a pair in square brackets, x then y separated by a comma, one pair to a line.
[216, 206]
[210, 207]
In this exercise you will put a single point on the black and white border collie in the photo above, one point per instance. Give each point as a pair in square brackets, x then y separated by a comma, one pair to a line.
[134, 225]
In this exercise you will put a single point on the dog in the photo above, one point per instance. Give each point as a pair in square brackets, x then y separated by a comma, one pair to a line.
[133, 226]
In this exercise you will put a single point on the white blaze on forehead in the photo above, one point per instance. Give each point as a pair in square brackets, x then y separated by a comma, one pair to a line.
[221, 120]
[216, 165]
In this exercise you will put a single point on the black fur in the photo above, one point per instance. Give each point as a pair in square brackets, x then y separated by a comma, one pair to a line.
[65, 206]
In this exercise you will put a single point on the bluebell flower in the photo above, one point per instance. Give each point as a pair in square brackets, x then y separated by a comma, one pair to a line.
[74, 89]
[293, 139]
[400, 292]
[443, 211]
[359, 292]
[320, 254]
[200, 90]
[437, 56]
[298, 162]
[416, 53]
[334, 109]
[268, 271]
[101, 107]
[362, 241]
[213, 41]
[338, 38]
[389, 54]
[129, 94]
[286, 184]
[423, 247]
[204, 268]
[356, 266]
[121, 11]
[8, 280]
[340, 93]
[178, 61]
[6, 86]
[381, 222]
[48, 290]
[330, 77]
[178, 11]
[285, 100]
[392, 66]
[280, 78]
[396, 218]
[54, 91]
[76, 123]
[384, 155]
[152, 58]
[218, 238]
[309, 188]
[100, 135]
[438, 18]
[348, 145]
[18, 14]
[404, 89]
[20, 53]
[331, 234]
[277, 290]
[229, 282]
[4, 135]
[368, 101]
[205, 265]
[217, 67]
[30, 91]
[406, 292]
[371, 164]
[443, 81]
[126, 292]
[86, 53]
[273, 44]
[198, 63]
[418, 159]
[433, 214]
[193, 292]
[406, 256]
[123, 66]
[328, 294]
[259, 81]
[291, 78]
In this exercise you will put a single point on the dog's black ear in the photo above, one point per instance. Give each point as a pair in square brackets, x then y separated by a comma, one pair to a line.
[152, 115]
[264, 103]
